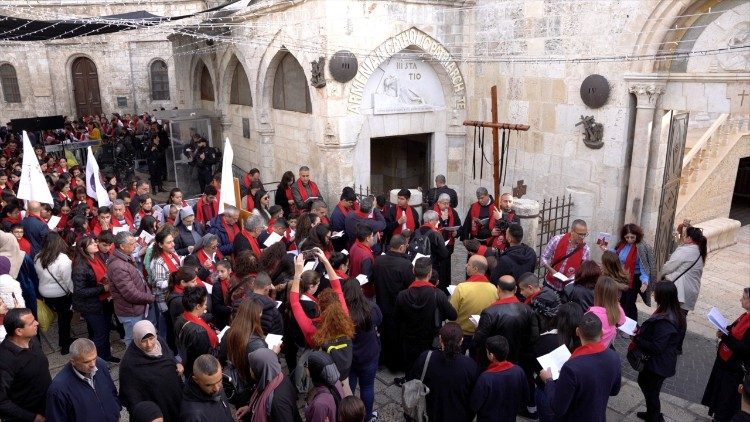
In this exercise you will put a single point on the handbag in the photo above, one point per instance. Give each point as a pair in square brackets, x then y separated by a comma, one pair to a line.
[414, 396]
[44, 315]
[663, 277]
[636, 358]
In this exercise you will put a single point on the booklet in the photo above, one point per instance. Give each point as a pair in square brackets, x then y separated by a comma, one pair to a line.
[451, 288]
[345, 252]
[603, 239]
[629, 326]
[362, 279]
[116, 230]
[147, 237]
[273, 339]
[474, 319]
[336, 235]
[419, 255]
[560, 276]
[209, 288]
[310, 265]
[52, 223]
[312, 198]
[222, 332]
[555, 360]
[451, 229]
[718, 320]
[272, 238]
[482, 221]
[278, 303]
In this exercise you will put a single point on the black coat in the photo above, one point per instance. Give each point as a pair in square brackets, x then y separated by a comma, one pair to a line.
[514, 321]
[192, 341]
[270, 320]
[284, 403]
[391, 274]
[451, 382]
[659, 338]
[86, 290]
[514, 261]
[197, 406]
[721, 395]
[434, 193]
[579, 294]
[438, 251]
[24, 380]
[185, 237]
[148, 378]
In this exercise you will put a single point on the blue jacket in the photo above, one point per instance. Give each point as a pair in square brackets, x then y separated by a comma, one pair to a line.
[217, 227]
[71, 399]
[582, 391]
[34, 230]
[510, 384]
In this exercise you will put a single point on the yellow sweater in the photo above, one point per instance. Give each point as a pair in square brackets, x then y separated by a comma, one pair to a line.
[471, 298]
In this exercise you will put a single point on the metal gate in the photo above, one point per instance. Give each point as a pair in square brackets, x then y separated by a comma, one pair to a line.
[554, 219]
[665, 243]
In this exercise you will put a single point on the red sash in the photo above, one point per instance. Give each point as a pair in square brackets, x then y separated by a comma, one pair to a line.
[739, 328]
[409, 219]
[588, 349]
[231, 231]
[212, 337]
[253, 242]
[250, 202]
[571, 264]
[100, 271]
[499, 366]
[344, 210]
[420, 283]
[303, 191]
[25, 245]
[290, 197]
[474, 214]
[169, 261]
[324, 220]
[630, 260]
[201, 215]
[477, 278]
[12, 221]
[451, 223]
[507, 300]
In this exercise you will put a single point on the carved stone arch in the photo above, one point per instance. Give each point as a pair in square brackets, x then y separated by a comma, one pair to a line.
[199, 65]
[234, 68]
[296, 92]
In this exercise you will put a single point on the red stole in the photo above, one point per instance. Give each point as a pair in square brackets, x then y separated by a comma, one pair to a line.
[474, 214]
[499, 366]
[247, 180]
[739, 328]
[451, 223]
[250, 203]
[25, 245]
[203, 256]
[290, 197]
[128, 220]
[507, 300]
[477, 278]
[12, 221]
[530, 298]
[344, 210]
[324, 220]
[482, 251]
[252, 241]
[630, 260]
[212, 337]
[202, 214]
[303, 192]
[571, 264]
[409, 219]
[231, 230]
[588, 349]
[171, 261]
[421, 283]
[100, 271]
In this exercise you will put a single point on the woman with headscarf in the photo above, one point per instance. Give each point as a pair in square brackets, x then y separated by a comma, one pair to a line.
[189, 232]
[149, 372]
[275, 397]
[324, 398]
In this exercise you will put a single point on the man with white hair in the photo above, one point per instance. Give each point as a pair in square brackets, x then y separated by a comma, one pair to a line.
[225, 227]
[438, 250]
[83, 390]
[248, 238]
[450, 228]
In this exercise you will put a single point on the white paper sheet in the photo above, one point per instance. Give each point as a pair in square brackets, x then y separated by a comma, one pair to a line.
[447, 242]
[474, 319]
[362, 279]
[147, 237]
[345, 252]
[554, 360]
[120, 229]
[310, 265]
[273, 339]
[419, 255]
[451, 229]
[628, 327]
[52, 223]
[560, 276]
[718, 320]
[278, 303]
[272, 238]
[209, 287]
[336, 235]
[451, 288]
[222, 332]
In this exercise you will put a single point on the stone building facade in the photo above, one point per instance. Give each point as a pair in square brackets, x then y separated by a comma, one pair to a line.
[425, 66]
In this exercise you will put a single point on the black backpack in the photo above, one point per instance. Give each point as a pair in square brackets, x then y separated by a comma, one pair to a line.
[419, 243]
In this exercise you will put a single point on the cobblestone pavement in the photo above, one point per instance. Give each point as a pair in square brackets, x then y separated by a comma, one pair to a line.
[727, 272]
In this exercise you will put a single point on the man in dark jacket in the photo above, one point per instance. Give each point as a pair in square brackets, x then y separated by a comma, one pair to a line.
[83, 390]
[24, 369]
[270, 319]
[587, 379]
[338, 217]
[433, 195]
[391, 274]
[34, 227]
[225, 227]
[501, 379]
[517, 259]
[362, 216]
[438, 251]
[420, 311]
[203, 398]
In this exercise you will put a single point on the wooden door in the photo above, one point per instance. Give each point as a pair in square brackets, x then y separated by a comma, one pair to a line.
[86, 87]
[665, 229]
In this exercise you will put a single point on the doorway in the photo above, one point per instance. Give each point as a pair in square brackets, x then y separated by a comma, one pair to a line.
[741, 199]
[86, 87]
[400, 162]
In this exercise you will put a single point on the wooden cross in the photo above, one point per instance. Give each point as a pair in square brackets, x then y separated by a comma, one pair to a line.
[519, 190]
[742, 97]
[495, 125]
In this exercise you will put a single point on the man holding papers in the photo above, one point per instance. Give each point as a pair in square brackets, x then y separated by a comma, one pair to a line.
[587, 380]
[564, 254]
[472, 297]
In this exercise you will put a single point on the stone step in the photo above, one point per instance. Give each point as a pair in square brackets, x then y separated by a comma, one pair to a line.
[720, 232]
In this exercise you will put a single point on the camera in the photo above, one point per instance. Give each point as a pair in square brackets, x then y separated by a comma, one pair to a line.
[309, 254]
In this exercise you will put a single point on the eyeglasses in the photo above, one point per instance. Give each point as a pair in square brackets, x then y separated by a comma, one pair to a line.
[581, 234]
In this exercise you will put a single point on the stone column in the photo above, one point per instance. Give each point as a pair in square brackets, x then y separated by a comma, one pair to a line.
[528, 211]
[647, 94]
[266, 150]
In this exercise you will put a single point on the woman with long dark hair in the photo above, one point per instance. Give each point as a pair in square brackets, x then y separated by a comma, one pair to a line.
[721, 395]
[581, 290]
[320, 237]
[305, 224]
[283, 196]
[90, 294]
[366, 317]
[611, 267]
[637, 258]
[53, 267]
[659, 338]
[261, 205]
[450, 376]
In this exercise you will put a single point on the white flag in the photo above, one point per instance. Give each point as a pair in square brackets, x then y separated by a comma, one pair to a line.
[94, 186]
[33, 185]
[227, 178]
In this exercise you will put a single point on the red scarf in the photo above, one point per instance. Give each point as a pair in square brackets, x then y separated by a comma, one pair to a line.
[169, 261]
[482, 251]
[588, 349]
[203, 215]
[224, 286]
[290, 197]
[253, 242]
[409, 219]
[324, 220]
[179, 289]
[25, 245]
[203, 256]
[342, 275]
[212, 337]
[499, 366]
[477, 278]
[247, 180]
[250, 203]
[507, 300]
[421, 283]
[344, 210]
[530, 298]
[12, 221]
[303, 192]
[571, 264]
[100, 271]
[231, 230]
[739, 328]
[474, 214]
[630, 260]
[128, 220]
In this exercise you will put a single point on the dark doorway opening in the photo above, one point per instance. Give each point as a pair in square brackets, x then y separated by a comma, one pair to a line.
[740, 209]
[400, 162]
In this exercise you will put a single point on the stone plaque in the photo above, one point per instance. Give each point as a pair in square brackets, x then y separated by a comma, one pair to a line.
[343, 66]
[122, 102]
[595, 91]
[245, 127]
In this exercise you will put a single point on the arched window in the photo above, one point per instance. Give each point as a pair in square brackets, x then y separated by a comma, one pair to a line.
[159, 81]
[9, 82]
[240, 92]
[290, 87]
[207, 86]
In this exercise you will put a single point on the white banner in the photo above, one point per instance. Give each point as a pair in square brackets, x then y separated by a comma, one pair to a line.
[227, 178]
[33, 185]
[94, 186]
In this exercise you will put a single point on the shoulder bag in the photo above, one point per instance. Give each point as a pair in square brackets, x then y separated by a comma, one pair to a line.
[414, 396]
[68, 293]
[663, 278]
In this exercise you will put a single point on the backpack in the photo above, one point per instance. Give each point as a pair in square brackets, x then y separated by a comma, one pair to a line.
[341, 351]
[414, 396]
[236, 389]
[419, 243]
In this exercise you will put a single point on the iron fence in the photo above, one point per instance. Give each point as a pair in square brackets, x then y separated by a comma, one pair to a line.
[554, 219]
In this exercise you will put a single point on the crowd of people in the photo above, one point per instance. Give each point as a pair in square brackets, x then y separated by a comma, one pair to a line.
[228, 319]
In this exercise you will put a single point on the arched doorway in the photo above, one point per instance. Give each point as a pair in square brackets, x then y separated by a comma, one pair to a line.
[86, 87]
